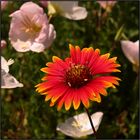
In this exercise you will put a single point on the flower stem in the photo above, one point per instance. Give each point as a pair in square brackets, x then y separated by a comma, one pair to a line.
[94, 131]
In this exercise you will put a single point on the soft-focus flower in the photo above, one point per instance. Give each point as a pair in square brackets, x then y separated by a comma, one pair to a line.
[7, 80]
[79, 78]
[30, 30]
[131, 51]
[79, 125]
[44, 3]
[3, 44]
[68, 9]
[5, 64]
[4, 5]
[107, 5]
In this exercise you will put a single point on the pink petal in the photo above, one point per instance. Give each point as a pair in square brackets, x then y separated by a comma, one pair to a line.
[17, 27]
[37, 47]
[3, 43]
[31, 8]
[4, 5]
[131, 51]
[21, 46]
[106, 4]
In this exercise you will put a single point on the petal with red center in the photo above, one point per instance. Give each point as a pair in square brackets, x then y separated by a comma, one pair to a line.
[45, 69]
[48, 97]
[44, 78]
[113, 59]
[93, 93]
[75, 54]
[53, 71]
[103, 65]
[49, 64]
[55, 93]
[57, 78]
[61, 101]
[51, 104]
[57, 68]
[55, 59]
[58, 92]
[42, 87]
[97, 98]
[69, 99]
[78, 54]
[84, 97]
[86, 55]
[105, 56]
[59, 63]
[103, 92]
[66, 99]
[99, 84]
[72, 53]
[76, 100]
[44, 93]
[59, 105]
[93, 58]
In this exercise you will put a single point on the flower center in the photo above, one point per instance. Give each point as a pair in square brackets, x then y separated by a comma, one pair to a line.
[33, 29]
[77, 76]
[30, 26]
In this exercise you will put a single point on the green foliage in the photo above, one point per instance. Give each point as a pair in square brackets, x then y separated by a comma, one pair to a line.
[25, 114]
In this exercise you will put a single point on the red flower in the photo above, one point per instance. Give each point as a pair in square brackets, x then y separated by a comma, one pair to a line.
[79, 78]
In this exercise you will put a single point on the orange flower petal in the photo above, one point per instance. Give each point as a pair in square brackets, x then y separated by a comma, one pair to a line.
[68, 100]
[55, 59]
[76, 101]
[84, 98]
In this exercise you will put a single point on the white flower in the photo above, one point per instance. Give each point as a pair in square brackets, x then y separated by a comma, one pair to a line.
[5, 64]
[79, 125]
[7, 80]
[68, 9]
[131, 51]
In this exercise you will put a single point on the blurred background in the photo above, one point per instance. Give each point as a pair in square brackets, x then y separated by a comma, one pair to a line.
[25, 114]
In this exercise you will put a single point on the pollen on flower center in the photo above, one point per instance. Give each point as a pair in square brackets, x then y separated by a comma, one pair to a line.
[30, 27]
[33, 29]
[77, 76]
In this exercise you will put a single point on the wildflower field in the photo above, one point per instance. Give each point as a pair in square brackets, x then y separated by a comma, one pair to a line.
[69, 69]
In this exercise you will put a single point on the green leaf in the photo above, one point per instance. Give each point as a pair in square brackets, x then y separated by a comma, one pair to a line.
[119, 33]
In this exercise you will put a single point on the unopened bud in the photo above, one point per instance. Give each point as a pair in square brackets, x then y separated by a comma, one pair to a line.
[3, 43]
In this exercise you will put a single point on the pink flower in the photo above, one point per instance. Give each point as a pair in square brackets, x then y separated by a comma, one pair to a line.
[30, 29]
[4, 5]
[68, 9]
[131, 51]
[3, 43]
[107, 5]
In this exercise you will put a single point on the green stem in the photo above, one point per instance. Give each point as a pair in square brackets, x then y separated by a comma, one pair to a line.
[94, 131]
